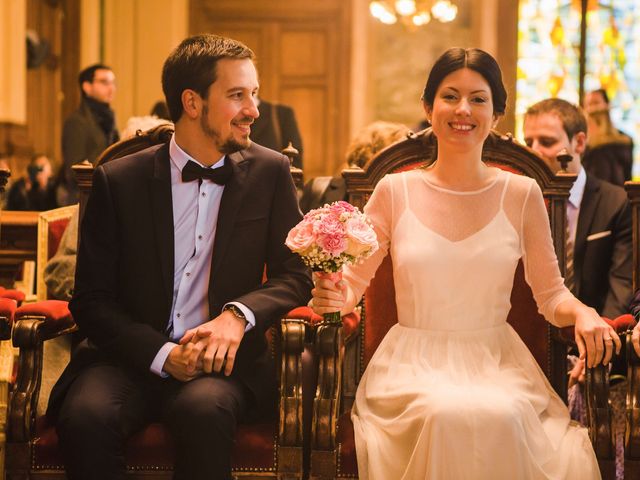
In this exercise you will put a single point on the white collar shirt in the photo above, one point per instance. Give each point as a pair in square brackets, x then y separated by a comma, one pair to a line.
[196, 205]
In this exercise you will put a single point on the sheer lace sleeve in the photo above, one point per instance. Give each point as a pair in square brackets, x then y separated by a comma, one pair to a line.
[540, 262]
[379, 210]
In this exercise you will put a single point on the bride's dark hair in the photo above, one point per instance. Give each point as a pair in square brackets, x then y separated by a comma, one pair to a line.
[474, 59]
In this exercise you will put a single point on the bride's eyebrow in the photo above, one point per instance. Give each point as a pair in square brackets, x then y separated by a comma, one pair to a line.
[446, 87]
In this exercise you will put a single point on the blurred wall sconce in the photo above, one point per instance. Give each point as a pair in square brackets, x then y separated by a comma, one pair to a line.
[413, 13]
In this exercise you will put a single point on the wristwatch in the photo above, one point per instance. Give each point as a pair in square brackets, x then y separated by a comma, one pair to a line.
[236, 311]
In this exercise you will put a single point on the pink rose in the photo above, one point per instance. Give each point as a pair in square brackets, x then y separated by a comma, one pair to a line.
[361, 237]
[340, 207]
[301, 237]
[334, 245]
[330, 235]
[329, 225]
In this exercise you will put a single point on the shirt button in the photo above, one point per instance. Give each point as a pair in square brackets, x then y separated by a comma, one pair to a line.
[199, 237]
[188, 273]
[178, 315]
[204, 194]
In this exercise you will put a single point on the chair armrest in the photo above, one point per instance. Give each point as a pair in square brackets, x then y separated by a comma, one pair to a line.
[8, 308]
[599, 412]
[632, 437]
[42, 321]
[34, 324]
[350, 322]
[622, 324]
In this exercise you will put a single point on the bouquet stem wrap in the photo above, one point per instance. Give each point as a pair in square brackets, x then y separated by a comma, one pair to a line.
[335, 277]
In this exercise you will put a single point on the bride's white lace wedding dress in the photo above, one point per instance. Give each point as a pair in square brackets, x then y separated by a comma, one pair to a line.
[452, 392]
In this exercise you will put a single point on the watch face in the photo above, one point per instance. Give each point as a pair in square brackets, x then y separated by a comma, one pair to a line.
[236, 311]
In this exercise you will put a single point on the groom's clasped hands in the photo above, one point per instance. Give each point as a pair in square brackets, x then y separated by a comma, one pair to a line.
[211, 347]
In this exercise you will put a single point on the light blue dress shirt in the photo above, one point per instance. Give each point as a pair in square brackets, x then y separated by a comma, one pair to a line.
[195, 214]
[575, 200]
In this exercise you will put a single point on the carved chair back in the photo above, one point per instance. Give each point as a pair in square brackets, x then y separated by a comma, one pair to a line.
[51, 227]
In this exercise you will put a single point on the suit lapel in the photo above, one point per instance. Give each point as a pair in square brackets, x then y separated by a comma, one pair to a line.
[588, 208]
[162, 208]
[229, 205]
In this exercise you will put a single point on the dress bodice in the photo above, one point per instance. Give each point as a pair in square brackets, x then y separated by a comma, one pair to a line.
[455, 253]
[446, 285]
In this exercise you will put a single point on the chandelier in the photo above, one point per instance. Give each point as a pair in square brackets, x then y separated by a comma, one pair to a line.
[413, 12]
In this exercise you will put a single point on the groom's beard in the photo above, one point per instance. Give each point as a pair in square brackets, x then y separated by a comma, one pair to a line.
[227, 145]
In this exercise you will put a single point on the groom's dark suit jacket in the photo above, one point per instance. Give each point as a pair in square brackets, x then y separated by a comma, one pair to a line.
[124, 277]
[602, 252]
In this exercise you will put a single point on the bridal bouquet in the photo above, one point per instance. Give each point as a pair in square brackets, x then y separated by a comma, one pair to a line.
[331, 236]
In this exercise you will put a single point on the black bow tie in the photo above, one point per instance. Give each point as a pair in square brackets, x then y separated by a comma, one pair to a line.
[193, 171]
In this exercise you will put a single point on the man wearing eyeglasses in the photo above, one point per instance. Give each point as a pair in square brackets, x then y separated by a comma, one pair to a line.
[88, 130]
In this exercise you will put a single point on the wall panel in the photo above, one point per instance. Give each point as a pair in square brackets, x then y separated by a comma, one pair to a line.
[303, 51]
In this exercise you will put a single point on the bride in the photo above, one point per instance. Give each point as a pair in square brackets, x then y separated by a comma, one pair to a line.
[452, 392]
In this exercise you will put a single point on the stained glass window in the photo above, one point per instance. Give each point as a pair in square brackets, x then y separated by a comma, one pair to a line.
[613, 62]
[549, 57]
[548, 53]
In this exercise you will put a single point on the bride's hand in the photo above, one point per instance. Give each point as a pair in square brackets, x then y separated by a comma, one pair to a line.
[595, 338]
[328, 296]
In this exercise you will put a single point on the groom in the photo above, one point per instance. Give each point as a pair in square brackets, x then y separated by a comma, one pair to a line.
[169, 287]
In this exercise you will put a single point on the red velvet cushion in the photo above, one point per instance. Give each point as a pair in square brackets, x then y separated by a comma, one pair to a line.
[622, 323]
[57, 317]
[304, 313]
[7, 311]
[350, 321]
[8, 307]
[151, 449]
[527, 322]
[13, 294]
[56, 311]
[380, 312]
[54, 235]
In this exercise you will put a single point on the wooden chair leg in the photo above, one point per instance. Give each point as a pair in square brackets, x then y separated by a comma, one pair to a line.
[330, 351]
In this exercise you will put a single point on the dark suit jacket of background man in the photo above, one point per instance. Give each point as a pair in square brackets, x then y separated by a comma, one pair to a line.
[124, 279]
[602, 263]
[611, 162]
[263, 130]
[82, 139]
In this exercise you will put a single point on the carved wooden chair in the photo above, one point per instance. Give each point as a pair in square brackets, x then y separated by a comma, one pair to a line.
[345, 351]
[272, 449]
[51, 227]
[632, 435]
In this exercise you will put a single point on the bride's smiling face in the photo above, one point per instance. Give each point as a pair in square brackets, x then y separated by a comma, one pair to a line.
[462, 112]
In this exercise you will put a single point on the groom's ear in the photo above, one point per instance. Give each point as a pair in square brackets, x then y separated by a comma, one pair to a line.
[191, 103]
